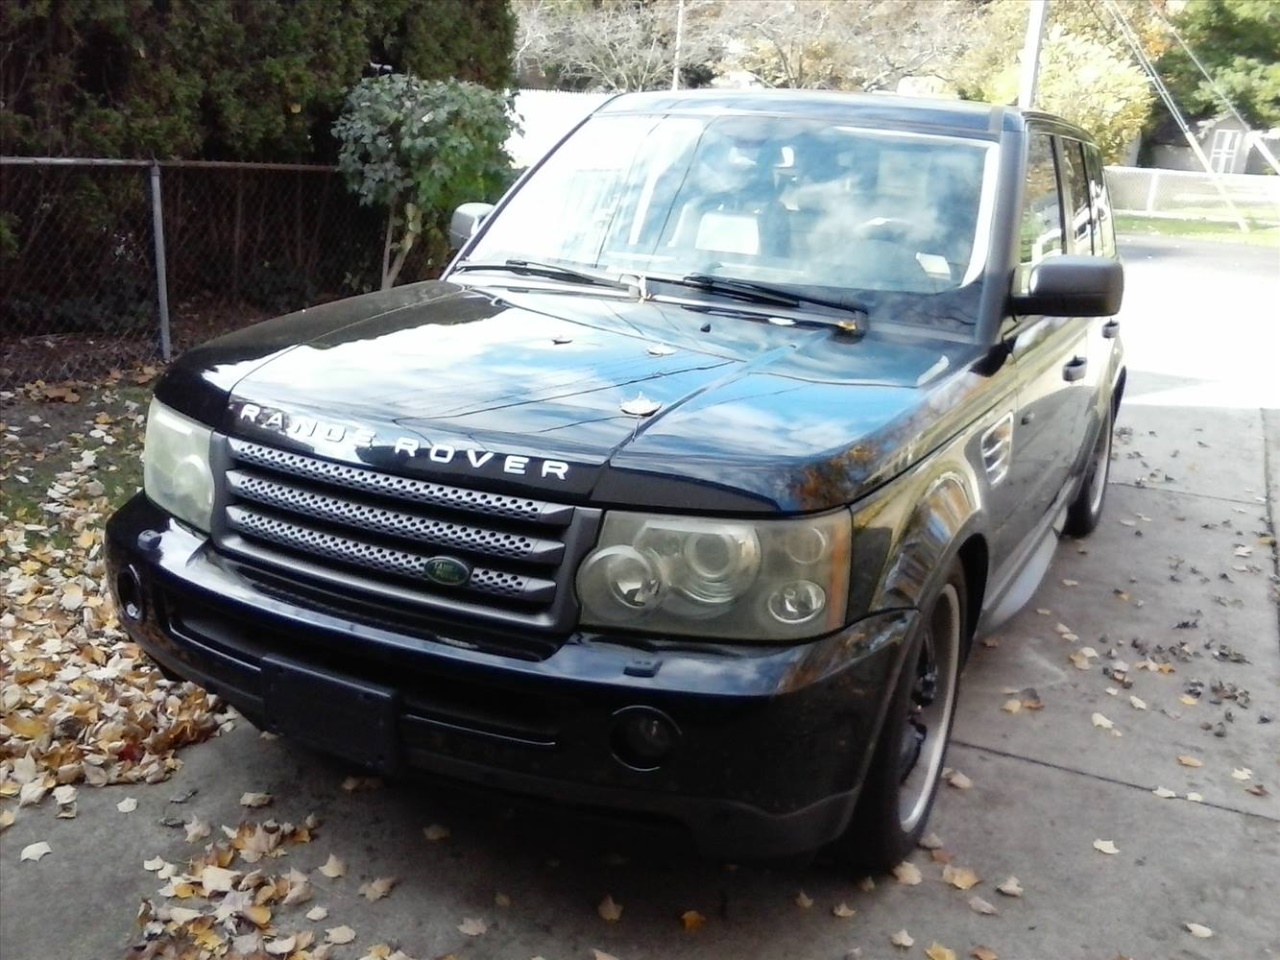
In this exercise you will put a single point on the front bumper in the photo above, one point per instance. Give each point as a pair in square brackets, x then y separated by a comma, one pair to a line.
[770, 744]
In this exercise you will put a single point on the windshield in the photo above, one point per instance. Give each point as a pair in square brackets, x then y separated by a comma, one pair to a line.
[825, 209]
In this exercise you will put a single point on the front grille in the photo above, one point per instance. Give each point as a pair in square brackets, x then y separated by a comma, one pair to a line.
[376, 533]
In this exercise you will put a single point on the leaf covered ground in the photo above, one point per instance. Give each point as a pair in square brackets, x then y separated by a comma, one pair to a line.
[80, 703]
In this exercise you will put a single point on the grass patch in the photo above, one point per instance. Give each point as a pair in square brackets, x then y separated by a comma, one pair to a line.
[1260, 233]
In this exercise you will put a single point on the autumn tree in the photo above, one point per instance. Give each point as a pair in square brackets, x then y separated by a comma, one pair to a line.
[1088, 72]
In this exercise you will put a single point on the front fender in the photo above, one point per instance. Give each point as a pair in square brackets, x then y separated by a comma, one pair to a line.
[910, 531]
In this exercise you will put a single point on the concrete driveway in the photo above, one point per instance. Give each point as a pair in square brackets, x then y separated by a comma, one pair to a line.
[1175, 595]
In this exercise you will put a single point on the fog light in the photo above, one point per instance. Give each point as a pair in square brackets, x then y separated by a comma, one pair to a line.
[643, 737]
[129, 593]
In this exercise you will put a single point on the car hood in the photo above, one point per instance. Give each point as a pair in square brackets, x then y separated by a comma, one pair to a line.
[589, 398]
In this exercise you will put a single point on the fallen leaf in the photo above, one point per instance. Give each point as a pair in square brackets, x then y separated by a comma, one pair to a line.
[1195, 797]
[343, 934]
[1012, 705]
[867, 884]
[902, 939]
[609, 909]
[1188, 761]
[692, 920]
[501, 900]
[930, 841]
[1137, 703]
[843, 910]
[1010, 888]
[936, 951]
[317, 913]
[377, 889]
[218, 879]
[1070, 583]
[196, 829]
[978, 905]
[255, 799]
[34, 851]
[333, 868]
[127, 805]
[1100, 721]
[1199, 930]
[962, 878]
[1242, 773]
[281, 946]
[1164, 793]
[601, 955]
[908, 874]
[803, 900]
[958, 780]
[1105, 846]
[436, 832]
[472, 927]
[6, 819]
[983, 953]
[1258, 790]
[257, 914]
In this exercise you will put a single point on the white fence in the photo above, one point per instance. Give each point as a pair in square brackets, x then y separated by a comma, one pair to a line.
[1183, 194]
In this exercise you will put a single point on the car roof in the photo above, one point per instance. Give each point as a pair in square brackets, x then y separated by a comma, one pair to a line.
[964, 117]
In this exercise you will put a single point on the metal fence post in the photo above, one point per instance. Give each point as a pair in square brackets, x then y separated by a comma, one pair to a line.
[1151, 191]
[162, 283]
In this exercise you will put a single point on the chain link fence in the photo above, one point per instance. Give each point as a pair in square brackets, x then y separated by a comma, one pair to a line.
[1193, 195]
[108, 264]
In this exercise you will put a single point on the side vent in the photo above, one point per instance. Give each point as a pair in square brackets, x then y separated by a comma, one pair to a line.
[997, 448]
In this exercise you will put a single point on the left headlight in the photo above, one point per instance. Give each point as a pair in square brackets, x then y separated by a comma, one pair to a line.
[766, 580]
[175, 472]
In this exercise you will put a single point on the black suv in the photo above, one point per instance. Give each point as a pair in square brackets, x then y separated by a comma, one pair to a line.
[684, 492]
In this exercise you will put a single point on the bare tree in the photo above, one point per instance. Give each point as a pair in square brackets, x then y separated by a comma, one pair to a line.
[612, 45]
[842, 44]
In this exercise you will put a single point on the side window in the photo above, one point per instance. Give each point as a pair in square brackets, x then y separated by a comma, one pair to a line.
[1042, 233]
[1104, 230]
[1080, 222]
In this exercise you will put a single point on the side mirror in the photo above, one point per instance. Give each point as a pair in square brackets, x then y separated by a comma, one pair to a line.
[465, 222]
[1073, 286]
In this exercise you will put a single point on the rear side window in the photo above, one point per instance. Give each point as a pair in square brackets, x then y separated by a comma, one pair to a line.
[1042, 233]
[1078, 202]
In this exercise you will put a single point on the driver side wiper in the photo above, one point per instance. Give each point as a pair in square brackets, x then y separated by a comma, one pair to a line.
[754, 292]
[552, 271]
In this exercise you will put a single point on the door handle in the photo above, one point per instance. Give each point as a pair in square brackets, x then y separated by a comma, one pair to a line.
[1074, 369]
[1111, 329]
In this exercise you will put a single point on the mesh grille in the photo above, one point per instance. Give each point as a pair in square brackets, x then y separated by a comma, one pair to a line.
[384, 535]
[400, 488]
[392, 523]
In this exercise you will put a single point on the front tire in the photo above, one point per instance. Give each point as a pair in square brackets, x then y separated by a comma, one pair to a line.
[1086, 510]
[905, 772]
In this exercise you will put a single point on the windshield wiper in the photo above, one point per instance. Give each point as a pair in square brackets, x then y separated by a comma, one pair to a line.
[551, 271]
[764, 293]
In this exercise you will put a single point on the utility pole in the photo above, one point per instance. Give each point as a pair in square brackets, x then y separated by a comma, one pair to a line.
[1031, 53]
[675, 67]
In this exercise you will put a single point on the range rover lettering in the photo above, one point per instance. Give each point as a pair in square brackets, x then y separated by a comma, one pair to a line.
[687, 488]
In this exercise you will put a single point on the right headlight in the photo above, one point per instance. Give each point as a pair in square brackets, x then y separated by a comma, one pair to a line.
[175, 472]
[766, 580]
